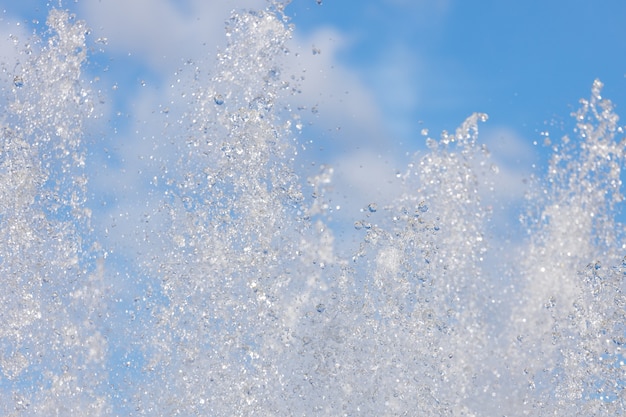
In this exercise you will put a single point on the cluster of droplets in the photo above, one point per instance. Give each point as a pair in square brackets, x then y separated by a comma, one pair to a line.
[241, 257]
[51, 347]
[568, 316]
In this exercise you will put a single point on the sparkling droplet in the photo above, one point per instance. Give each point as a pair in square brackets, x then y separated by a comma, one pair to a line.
[18, 81]
[219, 100]
[372, 207]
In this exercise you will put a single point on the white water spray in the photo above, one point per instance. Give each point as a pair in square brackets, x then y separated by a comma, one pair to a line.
[245, 306]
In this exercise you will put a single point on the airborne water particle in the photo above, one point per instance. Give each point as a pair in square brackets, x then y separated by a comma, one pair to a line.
[372, 207]
[315, 50]
[18, 81]
[218, 99]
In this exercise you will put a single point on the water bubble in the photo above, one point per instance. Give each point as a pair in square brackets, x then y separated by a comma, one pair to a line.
[218, 99]
[18, 81]
[551, 303]
[431, 143]
[372, 207]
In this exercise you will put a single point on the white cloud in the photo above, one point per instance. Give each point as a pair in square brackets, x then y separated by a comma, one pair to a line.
[332, 94]
[512, 156]
[161, 32]
[365, 177]
[395, 78]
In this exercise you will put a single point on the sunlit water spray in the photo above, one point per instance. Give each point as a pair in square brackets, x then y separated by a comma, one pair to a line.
[246, 306]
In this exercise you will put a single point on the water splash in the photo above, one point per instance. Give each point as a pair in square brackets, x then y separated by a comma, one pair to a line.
[249, 308]
[52, 353]
[570, 313]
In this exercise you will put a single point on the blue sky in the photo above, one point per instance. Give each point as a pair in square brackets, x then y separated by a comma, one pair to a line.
[522, 62]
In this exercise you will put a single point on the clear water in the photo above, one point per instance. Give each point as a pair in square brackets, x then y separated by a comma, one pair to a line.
[239, 302]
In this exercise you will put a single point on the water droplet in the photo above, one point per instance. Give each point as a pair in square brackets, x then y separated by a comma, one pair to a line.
[315, 50]
[18, 81]
[358, 225]
[372, 207]
[320, 308]
[551, 303]
[422, 207]
[218, 99]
